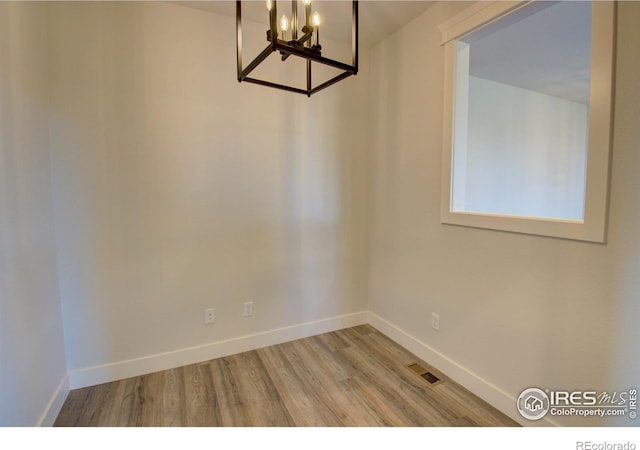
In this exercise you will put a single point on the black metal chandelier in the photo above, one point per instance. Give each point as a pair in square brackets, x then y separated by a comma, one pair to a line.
[307, 46]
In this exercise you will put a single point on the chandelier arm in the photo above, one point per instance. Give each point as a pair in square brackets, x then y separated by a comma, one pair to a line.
[277, 86]
[354, 34]
[332, 81]
[305, 38]
[255, 63]
[314, 56]
[300, 43]
[239, 37]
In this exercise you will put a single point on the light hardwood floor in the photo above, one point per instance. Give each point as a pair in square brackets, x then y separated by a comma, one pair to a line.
[351, 377]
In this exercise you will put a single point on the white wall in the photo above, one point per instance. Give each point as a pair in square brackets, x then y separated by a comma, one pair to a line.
[32, 359]
[526, 152]
[179, 189]
[624, 364]
[516, 310]
[176, 188]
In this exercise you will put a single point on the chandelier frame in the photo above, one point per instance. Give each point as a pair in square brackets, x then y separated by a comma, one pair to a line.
[296, 47]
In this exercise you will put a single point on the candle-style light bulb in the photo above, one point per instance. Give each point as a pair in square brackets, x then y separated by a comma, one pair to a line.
[269, 5]
[307, 14]
[284, 26]
[316, 24]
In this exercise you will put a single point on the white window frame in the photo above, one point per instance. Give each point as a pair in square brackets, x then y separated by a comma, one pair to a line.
[593, 227]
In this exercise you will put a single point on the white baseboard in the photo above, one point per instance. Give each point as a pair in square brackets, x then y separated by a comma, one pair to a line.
[490, 393]
[54, 406]
[90, 376]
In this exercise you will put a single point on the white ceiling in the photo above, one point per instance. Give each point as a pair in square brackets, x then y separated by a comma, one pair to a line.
[377, 19]
[547, 52]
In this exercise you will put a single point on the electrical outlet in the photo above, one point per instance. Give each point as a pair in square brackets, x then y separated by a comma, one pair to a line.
[435, 321]
[247, 309]
[209, 316]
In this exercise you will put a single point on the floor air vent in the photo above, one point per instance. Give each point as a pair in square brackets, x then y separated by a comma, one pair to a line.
[424, 373]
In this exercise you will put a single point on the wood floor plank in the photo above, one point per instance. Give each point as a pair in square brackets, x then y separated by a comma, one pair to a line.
[151, 400]
[328, 357]
[377, 406]
[257, 389]
[331, 390]
[305, 406]
[465, 422]
[98, 405]
[306, 370]
[201, 402]
[475, 409]
[126, 400]
[70, 412]
[173, 398]
[351, 377]
[332, 341]
[223, 375]
[137, 401]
